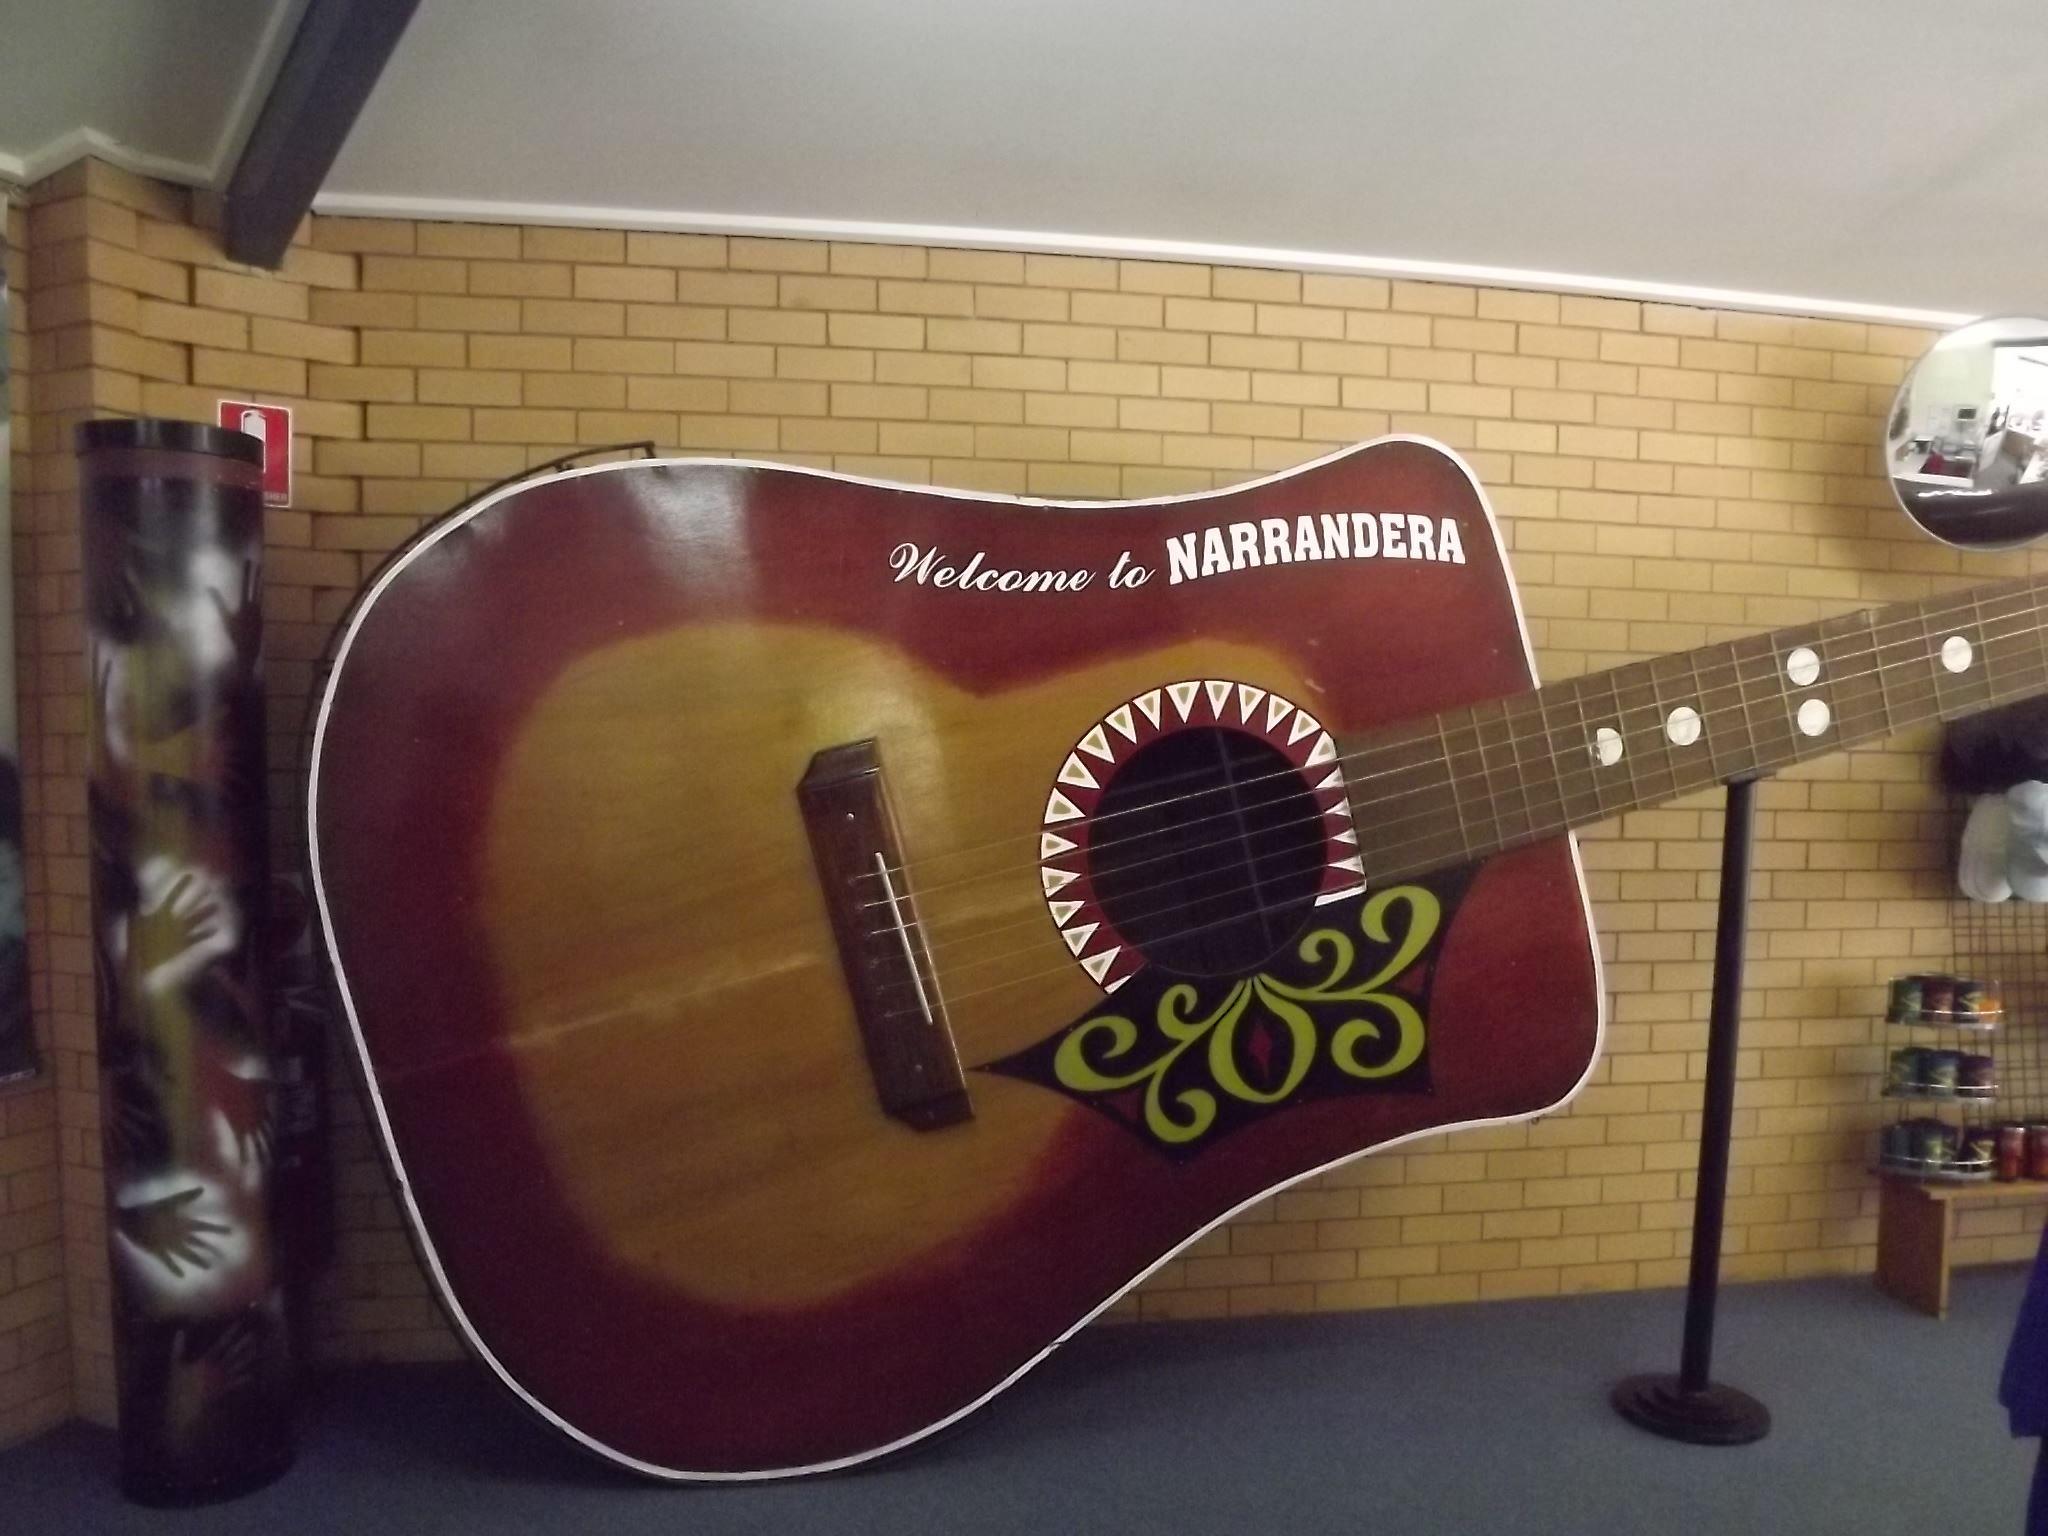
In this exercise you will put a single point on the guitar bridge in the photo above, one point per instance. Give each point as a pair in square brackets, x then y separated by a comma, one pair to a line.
[911, 1054]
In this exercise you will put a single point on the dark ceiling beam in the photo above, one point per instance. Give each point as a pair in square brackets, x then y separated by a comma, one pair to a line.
[335, 58]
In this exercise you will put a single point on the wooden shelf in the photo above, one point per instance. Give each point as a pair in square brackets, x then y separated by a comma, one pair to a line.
[2034, 1191]
[1916, 1224]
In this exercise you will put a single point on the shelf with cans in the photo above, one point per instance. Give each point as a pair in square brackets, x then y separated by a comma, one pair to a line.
[1958, 1072]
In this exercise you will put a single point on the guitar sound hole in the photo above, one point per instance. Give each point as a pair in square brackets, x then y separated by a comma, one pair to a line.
[1207, 850]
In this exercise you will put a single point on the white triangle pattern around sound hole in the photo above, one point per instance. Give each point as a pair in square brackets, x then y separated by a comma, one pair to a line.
[1255, 708]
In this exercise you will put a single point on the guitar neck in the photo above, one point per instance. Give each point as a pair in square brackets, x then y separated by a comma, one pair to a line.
[1456, 787]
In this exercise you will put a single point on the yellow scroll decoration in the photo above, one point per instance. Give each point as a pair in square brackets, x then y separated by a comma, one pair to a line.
[1086, 1058]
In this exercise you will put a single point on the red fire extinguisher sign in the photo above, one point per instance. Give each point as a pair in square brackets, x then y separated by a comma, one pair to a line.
[273, 425]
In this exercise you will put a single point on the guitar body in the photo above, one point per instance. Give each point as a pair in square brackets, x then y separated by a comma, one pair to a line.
[585, 926]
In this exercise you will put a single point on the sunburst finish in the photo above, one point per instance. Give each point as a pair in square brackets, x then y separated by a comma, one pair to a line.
[594, 983]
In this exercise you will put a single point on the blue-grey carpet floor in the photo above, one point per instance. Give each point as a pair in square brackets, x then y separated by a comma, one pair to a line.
[1489, 1418]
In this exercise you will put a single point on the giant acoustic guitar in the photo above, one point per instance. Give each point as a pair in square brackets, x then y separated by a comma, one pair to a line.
[815, 943]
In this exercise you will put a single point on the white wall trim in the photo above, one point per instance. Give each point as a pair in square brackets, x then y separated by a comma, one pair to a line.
[485, 211]
[89, 143]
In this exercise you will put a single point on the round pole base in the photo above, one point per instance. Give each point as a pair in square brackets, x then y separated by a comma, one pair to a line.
[160, 1493]
[1716, 1415]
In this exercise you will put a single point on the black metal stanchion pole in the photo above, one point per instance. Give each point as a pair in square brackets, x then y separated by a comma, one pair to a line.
[1690, 1406]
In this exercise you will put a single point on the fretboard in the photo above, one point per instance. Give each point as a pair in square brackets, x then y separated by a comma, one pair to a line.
[1456, 787]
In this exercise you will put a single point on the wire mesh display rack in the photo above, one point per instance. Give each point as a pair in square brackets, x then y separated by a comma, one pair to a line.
[1952, 1067]
[2007, 942]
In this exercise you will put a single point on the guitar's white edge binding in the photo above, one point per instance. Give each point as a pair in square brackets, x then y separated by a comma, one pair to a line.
[424, 1242]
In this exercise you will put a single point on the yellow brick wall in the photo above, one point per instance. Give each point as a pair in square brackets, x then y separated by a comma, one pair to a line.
[35, 1364]
[1665, 475]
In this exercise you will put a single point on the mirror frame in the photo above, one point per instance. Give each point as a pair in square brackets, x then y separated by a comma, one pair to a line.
[1975, 500]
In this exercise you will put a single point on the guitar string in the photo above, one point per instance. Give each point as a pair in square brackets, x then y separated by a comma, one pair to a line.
[1790, 634]
[1735, 666]
[1520, 838]
[1506, 832]
[1128, 919]
[1452, 780]
[1920, 621]
[1532, 830]
[1533, 834]
[1485, 777]
[1554, 755]
[1573, 691]
[1310, 844]
[1481, 744]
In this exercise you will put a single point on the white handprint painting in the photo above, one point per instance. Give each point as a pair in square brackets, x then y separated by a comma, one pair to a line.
[185, 918]
[179, 1236]
[220, 585]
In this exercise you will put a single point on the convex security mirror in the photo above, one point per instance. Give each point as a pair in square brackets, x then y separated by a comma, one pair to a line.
[1967, 446]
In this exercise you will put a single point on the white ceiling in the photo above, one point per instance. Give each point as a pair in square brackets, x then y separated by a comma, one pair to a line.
[165, 86]
[1856, 151]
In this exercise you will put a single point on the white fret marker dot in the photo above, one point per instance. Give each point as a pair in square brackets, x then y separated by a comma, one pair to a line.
[1607, 746]
[1813, 717]
[1955, 653]
[1683, 726]
[1803, 667]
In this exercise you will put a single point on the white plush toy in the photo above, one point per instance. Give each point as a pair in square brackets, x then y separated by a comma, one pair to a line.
[2005, 845]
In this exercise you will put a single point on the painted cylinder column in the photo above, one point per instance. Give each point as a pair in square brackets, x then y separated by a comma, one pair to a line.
[172, 528]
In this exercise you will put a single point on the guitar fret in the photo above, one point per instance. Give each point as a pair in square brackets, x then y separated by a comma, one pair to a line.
[1507, 713]
[1741, 717]
[1968, 684]
[1850, 689]
[1770, 720]
[1708, 706]
[1783, 645]
[1743, 654]
[1486, 721]
[1685, 724]
[1571, 751]
[1566, 759]
[1816, 709]
[1543, 790]
[2032, 595]
[2010, 671]
[1486, 819]
[1879, 671]
[1589, 744]
[1658, 711]
[1990, 651]
[1414, 804]
[1625, 742]
[1927, 652]
[1641, 723]
[2017, 621]
[1457, 800]
[1909, 662]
